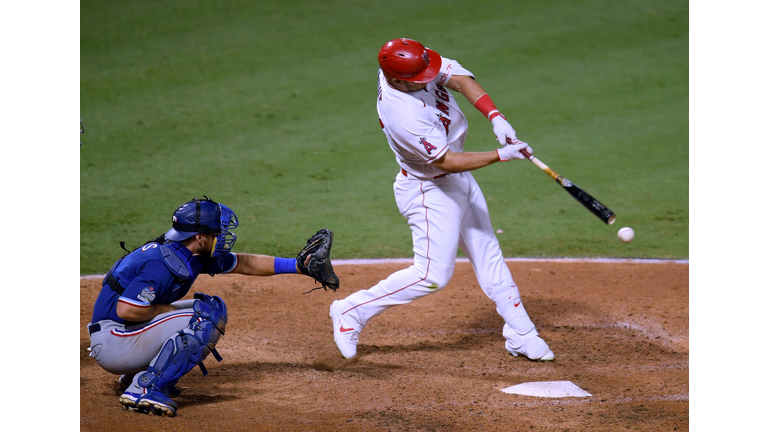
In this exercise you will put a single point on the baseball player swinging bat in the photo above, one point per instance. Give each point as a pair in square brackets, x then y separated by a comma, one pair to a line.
[584, 198]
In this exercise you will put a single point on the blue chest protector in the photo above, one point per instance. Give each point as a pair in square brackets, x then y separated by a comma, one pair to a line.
[125, 269]
[169, 269]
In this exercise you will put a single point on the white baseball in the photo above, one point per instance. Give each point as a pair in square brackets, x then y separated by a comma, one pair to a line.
[626, 234]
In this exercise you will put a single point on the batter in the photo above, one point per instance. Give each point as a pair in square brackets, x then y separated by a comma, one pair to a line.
[436, 193]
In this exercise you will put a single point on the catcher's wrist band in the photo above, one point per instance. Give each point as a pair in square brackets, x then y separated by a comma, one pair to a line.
[485, 105]
[285, 265]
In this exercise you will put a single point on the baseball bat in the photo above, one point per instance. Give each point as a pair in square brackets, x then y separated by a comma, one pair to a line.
[584, 198]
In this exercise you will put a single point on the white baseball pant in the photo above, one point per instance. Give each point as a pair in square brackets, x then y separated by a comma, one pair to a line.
[444, 214]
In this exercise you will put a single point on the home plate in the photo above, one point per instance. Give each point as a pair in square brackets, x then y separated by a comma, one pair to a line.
[553, 389]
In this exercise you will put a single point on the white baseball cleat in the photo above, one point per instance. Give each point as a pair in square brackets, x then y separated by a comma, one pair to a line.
[532, 347]
[539, 351]
[344, 334]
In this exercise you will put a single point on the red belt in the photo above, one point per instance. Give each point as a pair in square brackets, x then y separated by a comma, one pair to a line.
[405, 173]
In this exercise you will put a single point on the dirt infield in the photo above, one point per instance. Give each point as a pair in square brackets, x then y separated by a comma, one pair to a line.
[619, 331]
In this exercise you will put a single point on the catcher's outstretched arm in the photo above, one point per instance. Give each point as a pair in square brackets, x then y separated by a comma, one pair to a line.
[257, 265]
[314, 260]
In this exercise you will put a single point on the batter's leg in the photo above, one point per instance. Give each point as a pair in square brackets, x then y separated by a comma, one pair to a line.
[434, 215]
[479, 243]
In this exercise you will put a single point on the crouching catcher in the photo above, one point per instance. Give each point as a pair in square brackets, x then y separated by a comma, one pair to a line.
[144, 331]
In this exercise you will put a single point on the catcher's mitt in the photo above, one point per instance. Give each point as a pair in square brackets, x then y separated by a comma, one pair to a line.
[319, 266]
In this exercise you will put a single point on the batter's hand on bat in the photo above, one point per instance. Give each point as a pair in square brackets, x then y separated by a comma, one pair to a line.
[503, 130]
[518, 142]
[513, 150]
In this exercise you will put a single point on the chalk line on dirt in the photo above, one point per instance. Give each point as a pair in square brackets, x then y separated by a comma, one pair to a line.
[360, 261]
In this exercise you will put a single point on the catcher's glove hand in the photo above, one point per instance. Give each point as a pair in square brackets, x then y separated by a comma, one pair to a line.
[318, 249]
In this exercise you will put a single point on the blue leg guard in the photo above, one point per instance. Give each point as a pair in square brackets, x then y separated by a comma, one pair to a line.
[189, 347]
[179, 355]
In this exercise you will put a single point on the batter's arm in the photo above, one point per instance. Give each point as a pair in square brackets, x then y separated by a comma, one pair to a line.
[467, 86]
[452, 162]
[476, 95]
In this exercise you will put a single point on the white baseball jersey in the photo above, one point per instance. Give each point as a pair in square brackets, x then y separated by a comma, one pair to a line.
[421, 126]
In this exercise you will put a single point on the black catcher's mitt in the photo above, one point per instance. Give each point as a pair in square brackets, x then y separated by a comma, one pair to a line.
[319, 266]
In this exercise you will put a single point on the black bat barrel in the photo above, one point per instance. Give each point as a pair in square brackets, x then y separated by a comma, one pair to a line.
[593, 205]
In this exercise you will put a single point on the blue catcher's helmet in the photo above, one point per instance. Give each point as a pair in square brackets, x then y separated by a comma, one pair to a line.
[204, 216]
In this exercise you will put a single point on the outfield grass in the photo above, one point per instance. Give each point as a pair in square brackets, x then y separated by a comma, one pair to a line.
[269, 107]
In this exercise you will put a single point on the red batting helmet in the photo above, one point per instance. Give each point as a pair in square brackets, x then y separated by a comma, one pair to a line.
[408, 60]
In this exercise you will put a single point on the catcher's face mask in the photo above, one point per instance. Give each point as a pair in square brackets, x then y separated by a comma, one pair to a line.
[225, 240]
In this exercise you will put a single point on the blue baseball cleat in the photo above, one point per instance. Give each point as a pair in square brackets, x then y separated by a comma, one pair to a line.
[153, 402]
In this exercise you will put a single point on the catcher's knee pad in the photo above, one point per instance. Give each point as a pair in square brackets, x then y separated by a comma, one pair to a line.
[212, 309]
[208, 324]
[208, 335]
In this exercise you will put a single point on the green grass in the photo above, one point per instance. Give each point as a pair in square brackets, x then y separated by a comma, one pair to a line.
[269, 107]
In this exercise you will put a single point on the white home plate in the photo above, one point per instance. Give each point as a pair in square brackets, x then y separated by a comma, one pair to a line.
[551, 389]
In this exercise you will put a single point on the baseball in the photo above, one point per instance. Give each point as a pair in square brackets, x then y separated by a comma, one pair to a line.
[626, 234]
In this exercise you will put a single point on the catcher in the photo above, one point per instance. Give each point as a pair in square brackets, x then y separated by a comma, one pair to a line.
[143, 330]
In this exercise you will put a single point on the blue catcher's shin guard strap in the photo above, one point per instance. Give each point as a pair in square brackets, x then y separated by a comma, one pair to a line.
[216, 354]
